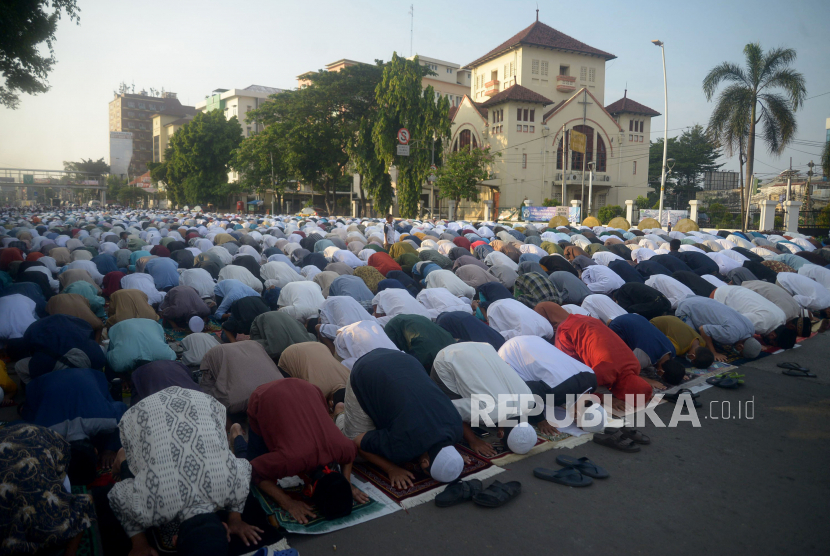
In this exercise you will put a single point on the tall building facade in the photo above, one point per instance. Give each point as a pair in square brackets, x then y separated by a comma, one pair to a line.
[450, 80]
[238, 102]
[133, 113]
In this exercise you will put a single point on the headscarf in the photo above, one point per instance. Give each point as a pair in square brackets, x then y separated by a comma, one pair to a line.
[275, 331]
[314, 363]
[419, 337]
[129, 304]
[158, 375]
[112, 282]
[74, 305]
[231, 372]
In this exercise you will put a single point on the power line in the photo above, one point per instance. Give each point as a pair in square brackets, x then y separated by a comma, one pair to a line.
[819, 95]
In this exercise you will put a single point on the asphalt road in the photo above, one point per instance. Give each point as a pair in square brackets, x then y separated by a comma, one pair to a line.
[732, 486]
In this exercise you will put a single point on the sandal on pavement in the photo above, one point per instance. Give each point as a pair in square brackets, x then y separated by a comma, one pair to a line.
[794, 367]
[675, 397]
[632, 434]
[567, 476]
[723, 381]
[458, 492]
[795, 372]
[616, 441]
[584, 466]
[498, 494]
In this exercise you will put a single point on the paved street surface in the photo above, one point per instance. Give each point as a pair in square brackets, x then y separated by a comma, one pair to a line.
[734, 486]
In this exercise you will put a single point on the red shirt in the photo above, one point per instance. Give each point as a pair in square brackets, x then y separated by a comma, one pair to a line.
[291, 417]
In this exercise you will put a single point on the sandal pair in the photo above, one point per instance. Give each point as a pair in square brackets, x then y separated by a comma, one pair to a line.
[574, 473]
[675, 397]
[494, 496]
[794, 369]
[624, 439]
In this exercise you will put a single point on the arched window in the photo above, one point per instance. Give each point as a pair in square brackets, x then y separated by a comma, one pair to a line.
[576, 158]
[464, 139]
[475, 143]
[601, 156]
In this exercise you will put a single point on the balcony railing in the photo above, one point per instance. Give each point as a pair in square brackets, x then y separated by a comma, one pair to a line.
[565, 83]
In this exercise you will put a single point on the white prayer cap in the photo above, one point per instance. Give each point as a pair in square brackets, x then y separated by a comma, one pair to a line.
[196, 324]
[447, 466]
[593, 419]
[521, 439]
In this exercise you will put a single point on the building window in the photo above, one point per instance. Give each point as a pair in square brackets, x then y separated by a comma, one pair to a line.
[131, 114]
[544, 67]
[601, 199]
[534, 67]
[518, 114]
[141, 125]
[630, 137]
[525, 114]
[152, 106]
[131, 104]
[641, 126]
[519, 128]
[532, 113]
[249, 130]
[630, 125]
[465, 139]
[524, 160]
[592, 74]
[524, 129]
[563, 70]
[449, 70]
[141, 105]
[131, 125]
[602, 157]
[583, 73]
[635, 168]
[641, 139]
[532, 129]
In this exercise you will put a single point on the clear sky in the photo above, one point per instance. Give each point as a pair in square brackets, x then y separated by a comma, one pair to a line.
[192, 48]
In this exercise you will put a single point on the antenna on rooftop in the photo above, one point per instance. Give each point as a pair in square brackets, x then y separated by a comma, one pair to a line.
[411, 26]
[537, 11]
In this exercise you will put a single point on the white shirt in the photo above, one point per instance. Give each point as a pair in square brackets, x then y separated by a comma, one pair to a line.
[339, 311]
[674, 290]
[777, 295]
[497, 258]
[198, 279]
[642, 254]
[725, 264]
[196, 346]
[601, 279]
[356, 340]
[347, 257]
[441, 300]
[576, 310]
[470, 368]
[301, 300]
[809, 293]
[17, 312]
[535, 359]
[814, 271]
[446, 279]
[395, 301]
[280, 272]
[763, 314]
[734, 255]
[234, 272]
[605, 257]
[602, 307]
[512, 318]
[145, 283]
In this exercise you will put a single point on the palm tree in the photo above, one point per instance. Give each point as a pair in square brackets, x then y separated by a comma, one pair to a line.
[752, 99]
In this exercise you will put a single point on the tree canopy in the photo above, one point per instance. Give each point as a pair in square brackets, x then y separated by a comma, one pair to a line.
[198, 159]
[87, 166]
[404, 103]
[694, 153]
[27, 25]
[462, 171]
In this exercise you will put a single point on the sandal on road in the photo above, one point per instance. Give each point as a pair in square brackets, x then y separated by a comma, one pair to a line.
[567, 476]
[799, 370]
[616, 441]
[723, 381]
[631, 434]
[498, 494]
[584, 466]
[458, 492]
[675, 397]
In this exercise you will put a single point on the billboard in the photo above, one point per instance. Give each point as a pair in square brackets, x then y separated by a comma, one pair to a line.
[121, 152]
[543, 214]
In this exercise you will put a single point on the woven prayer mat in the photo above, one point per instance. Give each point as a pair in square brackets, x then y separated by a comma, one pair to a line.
[376, 507]
[424, 487]
[544, 442]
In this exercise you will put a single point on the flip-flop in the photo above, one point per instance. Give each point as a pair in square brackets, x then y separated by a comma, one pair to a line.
[584, 466]
[795, 372]
[458, 492]
[633, 435]
[793, 367]
[616, 441]
[567, 476]
[675, 397]
[498, 494]
[723, 382]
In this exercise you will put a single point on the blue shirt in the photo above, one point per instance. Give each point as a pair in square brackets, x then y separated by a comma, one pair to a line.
[230, 291]
[165, 272]
[639, 333]
[723, 324]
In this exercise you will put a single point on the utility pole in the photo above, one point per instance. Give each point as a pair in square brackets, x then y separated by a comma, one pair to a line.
[584, 104]
[432, 199]
[789, 179]
[590, 186]
[808, 199]
[273, 188]
[564, 144]
[411, 26]
[665, 129]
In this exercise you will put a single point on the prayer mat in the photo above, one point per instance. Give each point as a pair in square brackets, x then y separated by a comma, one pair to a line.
[544, 443]
[424, 487]
[279, 518]
[91, 539]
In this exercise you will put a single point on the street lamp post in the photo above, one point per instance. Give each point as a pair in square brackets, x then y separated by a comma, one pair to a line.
[665, 129]
[590, 186]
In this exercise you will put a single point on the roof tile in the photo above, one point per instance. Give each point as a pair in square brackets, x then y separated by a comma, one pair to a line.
[630, 106]
[516, 93]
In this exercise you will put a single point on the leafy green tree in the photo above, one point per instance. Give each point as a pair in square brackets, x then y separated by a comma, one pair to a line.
[462, 172]
[644, 202]
[27, 24]
[199, 159]
[825, 159]
[88, 166]
[694, 154]
[114, 186]
[551, 202]
[404, 103]
[609, 212]
[260, 161]
[754, 97]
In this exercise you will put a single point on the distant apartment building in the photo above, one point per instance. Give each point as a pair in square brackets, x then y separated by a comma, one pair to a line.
[451, 80]
[303, 81]
[238, 102]
[133, 113]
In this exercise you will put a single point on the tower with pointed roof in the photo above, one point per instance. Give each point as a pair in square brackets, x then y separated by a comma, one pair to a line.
[524, 93]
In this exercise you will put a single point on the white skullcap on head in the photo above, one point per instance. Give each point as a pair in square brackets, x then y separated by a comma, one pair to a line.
[752, 348]
[521, 439]
[594, 419]
[447, 466]
[196, 324]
